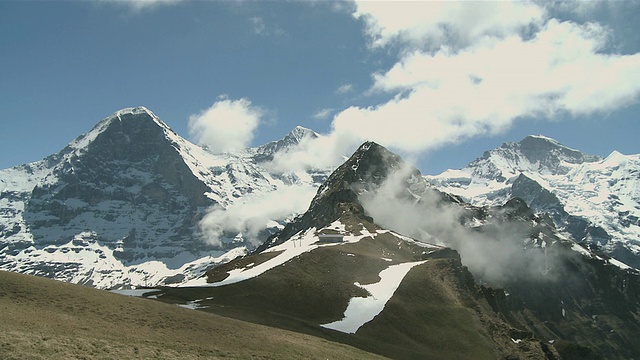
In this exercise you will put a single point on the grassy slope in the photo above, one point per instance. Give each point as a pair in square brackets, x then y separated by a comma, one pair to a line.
[42, 318]
[433, 314]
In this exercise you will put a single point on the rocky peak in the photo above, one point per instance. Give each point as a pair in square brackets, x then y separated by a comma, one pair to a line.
[548, 151]
[300, 132]
[535, 153]
[292, 139]
[126, 169]
[365, 171]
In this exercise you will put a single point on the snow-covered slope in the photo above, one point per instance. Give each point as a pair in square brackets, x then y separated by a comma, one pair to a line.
[596, 201]
[121, 205]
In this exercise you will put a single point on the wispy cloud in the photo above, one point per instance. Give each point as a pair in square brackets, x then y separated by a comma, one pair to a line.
[261, 27]
[258, 24]
[434, 23]
[323, 114]
[495, 255]
[139, 5]
[251, 215]
[343, 89]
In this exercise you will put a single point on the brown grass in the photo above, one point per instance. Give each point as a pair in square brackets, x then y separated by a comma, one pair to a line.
[46, 319]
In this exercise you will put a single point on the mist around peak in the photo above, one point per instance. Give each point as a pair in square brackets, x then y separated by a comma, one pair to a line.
[498, 245]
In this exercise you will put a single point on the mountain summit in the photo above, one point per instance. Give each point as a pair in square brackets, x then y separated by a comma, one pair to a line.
[366, 170]
[291, 140]
[594, 200]
[122, 204]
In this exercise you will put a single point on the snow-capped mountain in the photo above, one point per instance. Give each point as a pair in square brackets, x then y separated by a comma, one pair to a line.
[496, 281]
[595, 201]
[121, 205]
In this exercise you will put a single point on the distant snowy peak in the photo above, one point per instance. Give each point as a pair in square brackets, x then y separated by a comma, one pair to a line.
[539, 154]
[291, 140]
[595, 200]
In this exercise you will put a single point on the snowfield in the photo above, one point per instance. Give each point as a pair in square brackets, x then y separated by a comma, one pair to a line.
[362, 310]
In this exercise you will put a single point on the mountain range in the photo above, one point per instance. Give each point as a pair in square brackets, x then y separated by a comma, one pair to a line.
[594, 201]
[470, 282]
[528, 252]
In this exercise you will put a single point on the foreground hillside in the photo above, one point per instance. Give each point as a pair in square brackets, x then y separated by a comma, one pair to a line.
[47, 319]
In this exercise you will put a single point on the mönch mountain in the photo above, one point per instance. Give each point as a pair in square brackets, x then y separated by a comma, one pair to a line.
[526, 253]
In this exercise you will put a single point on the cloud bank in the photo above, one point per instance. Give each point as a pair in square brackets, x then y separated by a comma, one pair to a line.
[468, 69]
[462, 70]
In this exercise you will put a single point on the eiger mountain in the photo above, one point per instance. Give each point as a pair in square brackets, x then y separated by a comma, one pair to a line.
[335, 272]
[594, 201]
[120, 205]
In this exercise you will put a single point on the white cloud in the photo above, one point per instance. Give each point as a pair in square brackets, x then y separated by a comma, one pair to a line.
[251, 215]
[258, 24]
[323, 152]
[433, 23]
[450, 95]
[499, 74]
[262, 28]
[227, 125]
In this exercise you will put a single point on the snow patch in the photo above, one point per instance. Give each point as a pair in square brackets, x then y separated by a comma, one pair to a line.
[362, 310]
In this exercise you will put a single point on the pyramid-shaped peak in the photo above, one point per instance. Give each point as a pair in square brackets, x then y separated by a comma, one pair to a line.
[125, 125]
[616, 158]
[373, 154]
[299, 133]
[369, 166]
[541, 141]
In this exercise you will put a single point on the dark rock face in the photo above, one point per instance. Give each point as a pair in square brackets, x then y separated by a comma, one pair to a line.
[550, 154]
[365, 170]
[129, 183]
[580, 304]
[546, 153]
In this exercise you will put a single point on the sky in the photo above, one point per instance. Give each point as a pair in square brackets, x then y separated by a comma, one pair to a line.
[439, 83]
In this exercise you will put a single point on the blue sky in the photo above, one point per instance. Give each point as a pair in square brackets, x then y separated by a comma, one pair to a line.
[439, 83]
